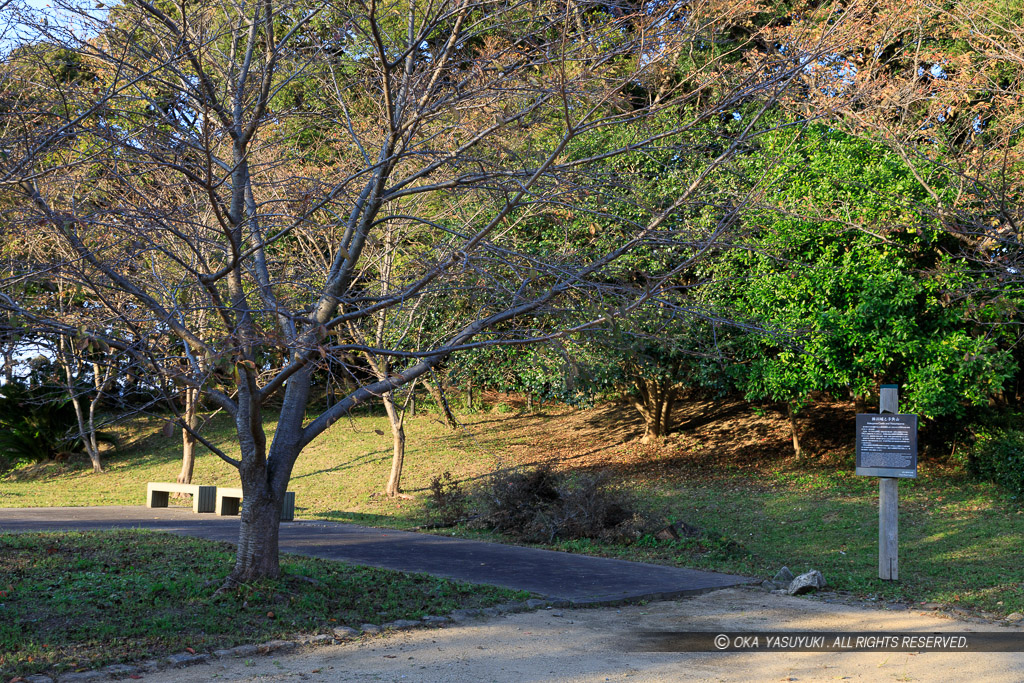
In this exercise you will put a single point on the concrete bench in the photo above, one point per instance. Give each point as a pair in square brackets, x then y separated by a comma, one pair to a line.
[203, 497]
[229, 501]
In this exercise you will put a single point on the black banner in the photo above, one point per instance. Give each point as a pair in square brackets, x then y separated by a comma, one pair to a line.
[807, 641]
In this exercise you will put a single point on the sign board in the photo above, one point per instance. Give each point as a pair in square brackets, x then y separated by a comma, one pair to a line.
[887, 445]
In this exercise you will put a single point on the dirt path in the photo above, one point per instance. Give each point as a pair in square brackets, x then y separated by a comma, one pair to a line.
[583, 645]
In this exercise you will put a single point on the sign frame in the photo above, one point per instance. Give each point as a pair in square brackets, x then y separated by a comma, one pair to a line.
[908, 424]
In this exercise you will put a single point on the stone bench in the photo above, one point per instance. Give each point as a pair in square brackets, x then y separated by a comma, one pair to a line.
[229, 501]
[203, 497]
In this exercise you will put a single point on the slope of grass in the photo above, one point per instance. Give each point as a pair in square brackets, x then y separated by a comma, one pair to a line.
[336, 477]
[83, 600]
[728, 471]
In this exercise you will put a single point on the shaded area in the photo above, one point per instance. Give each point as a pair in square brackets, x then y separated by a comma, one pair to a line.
[577, 579]
[712, 436]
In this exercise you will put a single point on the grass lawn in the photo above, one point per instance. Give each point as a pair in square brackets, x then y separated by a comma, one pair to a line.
[82, 600]
[728, 470]
[336, 477]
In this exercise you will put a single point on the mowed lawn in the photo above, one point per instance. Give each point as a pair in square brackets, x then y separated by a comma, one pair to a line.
[728, 470]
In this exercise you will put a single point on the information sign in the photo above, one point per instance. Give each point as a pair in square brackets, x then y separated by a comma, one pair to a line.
[887, 445]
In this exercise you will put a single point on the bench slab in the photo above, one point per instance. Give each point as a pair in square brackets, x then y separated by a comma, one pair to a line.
[204, 498]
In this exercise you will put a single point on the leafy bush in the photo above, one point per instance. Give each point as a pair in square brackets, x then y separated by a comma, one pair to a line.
[540, 505]
[998, 456]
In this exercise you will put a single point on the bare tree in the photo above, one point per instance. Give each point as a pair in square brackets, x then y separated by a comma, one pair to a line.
[73, 356]
[202, 148]
[380, 364]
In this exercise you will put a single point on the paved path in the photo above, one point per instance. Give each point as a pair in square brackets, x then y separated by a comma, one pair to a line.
[578, 579]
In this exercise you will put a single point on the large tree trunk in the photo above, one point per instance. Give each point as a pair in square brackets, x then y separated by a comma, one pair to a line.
[393, 487]
[655, 406]
[257, 555]
[265, 475]
[188, 439]
[264, 480]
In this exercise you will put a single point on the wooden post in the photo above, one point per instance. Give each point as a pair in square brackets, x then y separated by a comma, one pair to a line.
[888, 502]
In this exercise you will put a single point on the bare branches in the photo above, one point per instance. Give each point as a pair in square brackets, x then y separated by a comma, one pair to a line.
[252, 196]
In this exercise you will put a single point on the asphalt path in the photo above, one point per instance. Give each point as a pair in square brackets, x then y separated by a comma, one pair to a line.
[575, 579]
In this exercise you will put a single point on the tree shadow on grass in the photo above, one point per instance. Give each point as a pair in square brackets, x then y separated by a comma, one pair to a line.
[354, 462]
[705, 412]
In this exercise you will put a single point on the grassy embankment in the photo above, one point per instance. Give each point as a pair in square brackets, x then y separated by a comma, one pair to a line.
[727, 471]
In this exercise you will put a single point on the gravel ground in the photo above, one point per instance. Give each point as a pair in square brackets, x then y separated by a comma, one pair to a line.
[587, 645]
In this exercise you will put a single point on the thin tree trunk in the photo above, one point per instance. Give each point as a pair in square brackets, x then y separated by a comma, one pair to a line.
[86, 433]
[669, 400]
[94, 456]
[92, 446]
[8, 365]
[188, 439]
[443, 410]
[381, 368]
[797, 449]
[92, 443]
[393, 488]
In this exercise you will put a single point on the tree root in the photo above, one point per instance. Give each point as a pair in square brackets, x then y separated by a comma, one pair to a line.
[230, 585]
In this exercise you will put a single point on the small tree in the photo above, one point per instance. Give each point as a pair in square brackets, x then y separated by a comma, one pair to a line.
[850, 271]
[76, 357]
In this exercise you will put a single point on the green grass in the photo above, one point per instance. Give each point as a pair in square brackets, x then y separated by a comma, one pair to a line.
[73, 601]
[335, 478]
[959, 543]
[960, 540]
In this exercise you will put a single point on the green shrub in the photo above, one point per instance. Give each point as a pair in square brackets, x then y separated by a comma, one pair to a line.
[998, 456]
